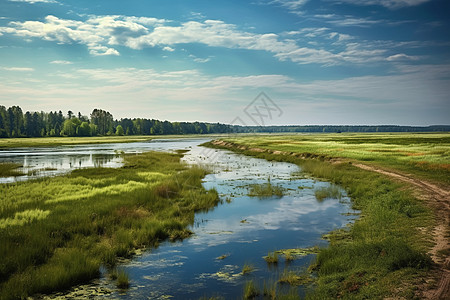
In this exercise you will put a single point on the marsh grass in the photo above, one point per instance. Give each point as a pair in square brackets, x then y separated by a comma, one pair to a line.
[266, 190]
[331, 191]
[251, 291]
[293, 278]
[10, 169]
[123, 281]
[56, 232]
[383, 253]
[271, 258]
[270, 290]
[247, 269]
[292, 254]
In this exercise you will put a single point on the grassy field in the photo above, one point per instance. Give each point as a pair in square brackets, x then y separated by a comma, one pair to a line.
[422, 154]
[57, 232]
[383, 254]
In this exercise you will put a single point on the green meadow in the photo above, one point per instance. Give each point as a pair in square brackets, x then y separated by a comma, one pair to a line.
[384, 253]
[57, 232]
[426, 155]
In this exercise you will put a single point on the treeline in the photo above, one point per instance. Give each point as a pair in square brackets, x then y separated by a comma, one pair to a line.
[15, 123]
[342, 128]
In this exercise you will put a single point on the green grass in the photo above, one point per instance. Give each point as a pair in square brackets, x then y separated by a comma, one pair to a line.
[383, 253]
[9, 169]
[56, 232]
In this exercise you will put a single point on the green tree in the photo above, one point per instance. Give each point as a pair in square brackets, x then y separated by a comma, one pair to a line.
[84, 129]
[119, 130]
[104, 121]
[70, 127]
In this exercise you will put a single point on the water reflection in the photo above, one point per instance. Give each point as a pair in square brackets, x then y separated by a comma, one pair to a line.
[51, 161]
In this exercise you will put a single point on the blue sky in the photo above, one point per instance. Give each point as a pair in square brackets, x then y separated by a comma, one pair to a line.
[321, 61]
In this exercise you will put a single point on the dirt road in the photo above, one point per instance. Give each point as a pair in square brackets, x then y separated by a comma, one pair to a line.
[438, 199]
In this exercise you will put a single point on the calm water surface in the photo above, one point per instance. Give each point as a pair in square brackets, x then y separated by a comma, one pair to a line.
[242, 228]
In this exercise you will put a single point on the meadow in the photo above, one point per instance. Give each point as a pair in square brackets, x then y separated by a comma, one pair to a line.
[57, 232]
[384, 253]
[425, 155]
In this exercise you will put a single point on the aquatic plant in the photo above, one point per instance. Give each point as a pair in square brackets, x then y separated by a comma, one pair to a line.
[123, 281]
[250, 290]
[271, 258]
[331, 191]
[247, 268]
[266, 190]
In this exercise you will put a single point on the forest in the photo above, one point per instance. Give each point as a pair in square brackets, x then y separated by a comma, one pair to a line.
[15, 123]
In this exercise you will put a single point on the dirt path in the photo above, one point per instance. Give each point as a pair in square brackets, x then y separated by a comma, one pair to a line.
[434, 196]
[438, 199]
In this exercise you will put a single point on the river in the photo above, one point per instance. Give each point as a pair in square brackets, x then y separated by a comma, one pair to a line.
[241, 230]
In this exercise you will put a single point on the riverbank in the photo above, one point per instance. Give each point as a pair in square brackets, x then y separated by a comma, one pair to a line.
[59, 141]
[6, 143]
[384, 253]
[56, 232]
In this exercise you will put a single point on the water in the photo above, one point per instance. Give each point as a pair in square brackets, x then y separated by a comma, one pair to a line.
[242, 228]
[58, 160]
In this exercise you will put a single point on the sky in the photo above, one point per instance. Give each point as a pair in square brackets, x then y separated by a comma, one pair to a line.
[317, 62]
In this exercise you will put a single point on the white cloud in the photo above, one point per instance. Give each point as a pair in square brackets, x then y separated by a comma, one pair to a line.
[103, 34]
[98, 33]
[350, 21]
[35, 1]
[391, 4]
[401, 56]
[61, 62]
[167, 48]
[291, 4]
[17, 69]
[202, 60]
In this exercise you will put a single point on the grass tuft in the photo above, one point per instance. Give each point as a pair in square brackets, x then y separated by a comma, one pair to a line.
[331, 191]
[250, 290]
[123, 281]
[271, 258]
[266, 190]
[247, 269]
